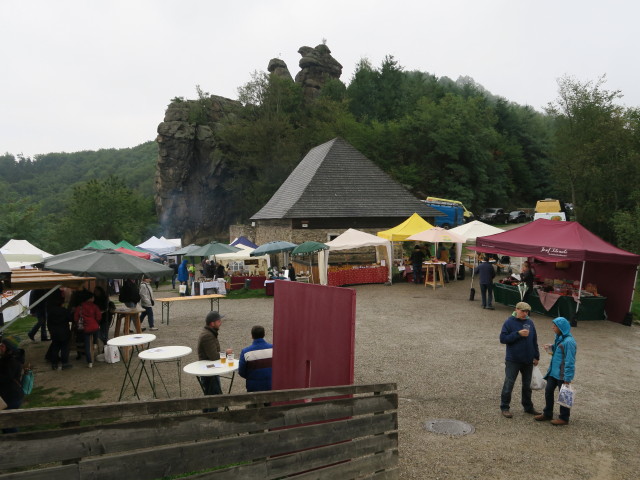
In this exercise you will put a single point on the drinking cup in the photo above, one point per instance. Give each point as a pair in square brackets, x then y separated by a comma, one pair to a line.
[230, 359]
[223, 357]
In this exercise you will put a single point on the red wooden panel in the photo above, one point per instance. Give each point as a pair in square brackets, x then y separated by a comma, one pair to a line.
[313, 335]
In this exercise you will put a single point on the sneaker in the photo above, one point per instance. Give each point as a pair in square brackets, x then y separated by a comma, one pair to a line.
[59, 368]
[153, 328]
[54, 366]
[533, 411]
[490, 307]
[45, 339]
[90, 365]
[67, 366]
[507, 414]
[33, 339]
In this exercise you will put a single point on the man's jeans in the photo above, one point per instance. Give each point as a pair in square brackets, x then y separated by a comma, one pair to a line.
[148, 311]
[41, 325]
[486, 291]
[554, 384]
[511, 371]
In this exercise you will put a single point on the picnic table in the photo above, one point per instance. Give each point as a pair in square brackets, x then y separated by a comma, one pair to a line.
[166, 302]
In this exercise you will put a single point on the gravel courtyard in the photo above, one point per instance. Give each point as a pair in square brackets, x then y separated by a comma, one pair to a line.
[443, 352]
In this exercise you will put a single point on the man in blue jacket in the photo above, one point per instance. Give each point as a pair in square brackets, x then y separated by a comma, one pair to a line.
[561, 370]
[519, 334]
[255, 362]
[486, 273]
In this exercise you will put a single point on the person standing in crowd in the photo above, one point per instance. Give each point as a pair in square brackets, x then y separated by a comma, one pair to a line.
[174, 266]
[519, 334]
[11, 368]
[59, 321]
[40, 312]
[292, 273]
[486, 274]
[255, 362]
[220, 271]
[526, 276]
[183, 275]
[129, 294]
[102, 302]
[561, 370]
[209, 349]
[147, 302]
[87, 320]
[417, 257]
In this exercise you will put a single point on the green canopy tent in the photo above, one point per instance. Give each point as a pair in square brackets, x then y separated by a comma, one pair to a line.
[128, 246]
[102, 245]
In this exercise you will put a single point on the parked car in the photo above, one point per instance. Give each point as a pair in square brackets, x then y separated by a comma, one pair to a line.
[517, 216]
[494, 215]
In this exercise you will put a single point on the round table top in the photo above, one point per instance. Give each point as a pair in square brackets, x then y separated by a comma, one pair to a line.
[131, 340]
[165, 353]
[208, 368]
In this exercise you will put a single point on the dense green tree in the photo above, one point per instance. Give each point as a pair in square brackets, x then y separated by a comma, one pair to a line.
[105, 210]
[596, 156]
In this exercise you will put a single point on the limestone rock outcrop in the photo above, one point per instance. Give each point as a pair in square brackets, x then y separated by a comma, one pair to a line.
[191, 169]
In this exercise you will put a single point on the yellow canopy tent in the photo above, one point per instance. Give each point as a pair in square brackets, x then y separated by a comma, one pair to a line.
[412, 225]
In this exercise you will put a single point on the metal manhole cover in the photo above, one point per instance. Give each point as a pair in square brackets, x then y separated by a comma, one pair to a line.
[447, 426]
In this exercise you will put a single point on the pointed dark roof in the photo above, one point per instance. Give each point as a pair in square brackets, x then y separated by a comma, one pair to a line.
[336, 180]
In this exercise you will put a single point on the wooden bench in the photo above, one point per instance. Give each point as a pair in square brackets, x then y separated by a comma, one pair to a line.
[166, 302]
[345, 432]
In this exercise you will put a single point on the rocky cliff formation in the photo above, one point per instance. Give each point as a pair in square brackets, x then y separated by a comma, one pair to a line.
[191, 168]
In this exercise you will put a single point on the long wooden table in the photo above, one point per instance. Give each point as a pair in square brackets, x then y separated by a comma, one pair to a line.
[166, 302]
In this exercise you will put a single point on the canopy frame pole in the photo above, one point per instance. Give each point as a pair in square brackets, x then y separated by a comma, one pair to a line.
[633, 290]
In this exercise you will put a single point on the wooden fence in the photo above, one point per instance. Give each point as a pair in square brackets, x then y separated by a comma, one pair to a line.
[332, 433]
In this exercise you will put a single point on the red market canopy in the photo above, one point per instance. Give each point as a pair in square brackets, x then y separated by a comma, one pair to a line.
[612, 269]
[145, 255]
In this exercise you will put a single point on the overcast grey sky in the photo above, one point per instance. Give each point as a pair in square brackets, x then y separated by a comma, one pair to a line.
[84, 75]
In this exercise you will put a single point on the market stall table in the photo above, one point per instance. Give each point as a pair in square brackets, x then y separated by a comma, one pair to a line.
[124, 343]
[357, 276]
[211, 368]
[256, 282]
[172, 353]
[433, 274]
[124, 317]
[591, 308]
[166, 302]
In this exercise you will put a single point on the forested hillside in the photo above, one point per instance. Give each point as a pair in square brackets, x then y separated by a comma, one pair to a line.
[436, 136]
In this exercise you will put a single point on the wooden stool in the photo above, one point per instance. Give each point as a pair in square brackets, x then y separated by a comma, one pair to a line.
[433, 275]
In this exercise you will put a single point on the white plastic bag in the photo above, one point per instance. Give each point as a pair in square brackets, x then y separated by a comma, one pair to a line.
[566, 395]
[111, 354]
[537, 382]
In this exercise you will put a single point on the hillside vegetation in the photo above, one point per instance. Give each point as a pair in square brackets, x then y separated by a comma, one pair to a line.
[435, 136]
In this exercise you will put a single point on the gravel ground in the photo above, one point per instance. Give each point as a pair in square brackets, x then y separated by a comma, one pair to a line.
[450, 366]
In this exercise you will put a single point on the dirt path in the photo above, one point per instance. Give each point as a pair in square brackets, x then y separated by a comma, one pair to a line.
[443, 352]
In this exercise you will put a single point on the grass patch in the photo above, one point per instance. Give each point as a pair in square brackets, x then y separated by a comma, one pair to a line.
[244, 293]
[53, 397]
[20, 326]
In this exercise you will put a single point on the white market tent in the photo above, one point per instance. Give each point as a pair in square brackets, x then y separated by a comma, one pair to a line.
[175, 241]
[243, 255]
[21, 253]
[159, 246]
[355, 239]
[475, 229]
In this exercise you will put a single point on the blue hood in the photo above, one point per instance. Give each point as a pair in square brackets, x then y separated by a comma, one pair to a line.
[563, 324]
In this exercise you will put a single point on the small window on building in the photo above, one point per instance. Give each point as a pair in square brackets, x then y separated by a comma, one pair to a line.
[332, 236]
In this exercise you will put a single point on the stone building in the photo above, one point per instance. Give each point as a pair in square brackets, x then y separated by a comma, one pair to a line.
[333, 188]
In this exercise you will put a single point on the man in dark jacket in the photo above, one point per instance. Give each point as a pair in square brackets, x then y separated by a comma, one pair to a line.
[209, 349]
[486, 274]
[59, 322]
[255, 362]
[519, 335]
[11, 367]
[40, 312]
[417, 257]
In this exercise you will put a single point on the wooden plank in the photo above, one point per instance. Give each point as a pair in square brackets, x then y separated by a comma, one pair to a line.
[115, 411]
[175, 460]
[278, 467]
[80, 442]
[61, 472]
[190, 297]
[357, 468]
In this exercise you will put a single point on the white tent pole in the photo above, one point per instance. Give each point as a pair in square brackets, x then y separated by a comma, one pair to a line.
[581, 277]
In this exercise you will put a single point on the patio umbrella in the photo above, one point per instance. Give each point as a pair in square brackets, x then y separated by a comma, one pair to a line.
[186, 250]
[213, 248]
[105, 264]
[306, 248]
[309, 248]
[437, 235]
[273, 247]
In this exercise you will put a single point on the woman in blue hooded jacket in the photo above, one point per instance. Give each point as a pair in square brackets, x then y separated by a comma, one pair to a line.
[561, 370]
